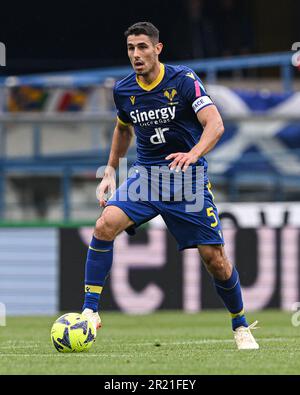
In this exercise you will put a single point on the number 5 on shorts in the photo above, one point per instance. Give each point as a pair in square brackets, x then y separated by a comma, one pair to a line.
[210, 213]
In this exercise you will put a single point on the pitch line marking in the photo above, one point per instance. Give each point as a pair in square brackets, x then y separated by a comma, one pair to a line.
[78, 355]
[207, 341]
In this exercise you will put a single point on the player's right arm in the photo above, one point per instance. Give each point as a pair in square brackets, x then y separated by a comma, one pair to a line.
[121, 140]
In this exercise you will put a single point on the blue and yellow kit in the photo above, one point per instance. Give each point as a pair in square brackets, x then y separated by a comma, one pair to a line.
[164, 117]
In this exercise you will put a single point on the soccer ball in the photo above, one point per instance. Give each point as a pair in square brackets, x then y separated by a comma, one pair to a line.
[72, 332]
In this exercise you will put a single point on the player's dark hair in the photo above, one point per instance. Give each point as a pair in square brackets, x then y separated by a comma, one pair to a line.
[146, 28]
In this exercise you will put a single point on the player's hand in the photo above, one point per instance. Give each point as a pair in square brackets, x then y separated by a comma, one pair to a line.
[182, 160]
[106, 187]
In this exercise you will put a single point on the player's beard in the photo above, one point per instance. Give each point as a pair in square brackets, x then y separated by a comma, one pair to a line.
[142, 72]
[147, 71]
[148, 65]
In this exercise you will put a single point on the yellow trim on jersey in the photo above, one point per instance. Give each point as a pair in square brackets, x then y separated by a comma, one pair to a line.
[158, 79]
[96, 289]
[209, 190]
[122, 122]
[94, 249]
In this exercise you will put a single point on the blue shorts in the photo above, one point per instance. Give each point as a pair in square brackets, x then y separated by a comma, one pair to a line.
[189, 228]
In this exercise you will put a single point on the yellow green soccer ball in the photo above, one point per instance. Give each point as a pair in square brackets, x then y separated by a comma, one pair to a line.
[72, 332]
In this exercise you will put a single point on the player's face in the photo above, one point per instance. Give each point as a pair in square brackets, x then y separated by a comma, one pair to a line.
[143, 53]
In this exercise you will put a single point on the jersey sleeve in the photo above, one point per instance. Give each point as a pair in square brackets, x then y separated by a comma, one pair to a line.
[193, 91]
[121, 114]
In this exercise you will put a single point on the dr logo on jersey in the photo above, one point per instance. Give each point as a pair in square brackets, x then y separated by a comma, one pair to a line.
[158, 137]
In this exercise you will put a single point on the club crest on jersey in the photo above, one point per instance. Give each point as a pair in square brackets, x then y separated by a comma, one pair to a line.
[132, 99]
[170, 94]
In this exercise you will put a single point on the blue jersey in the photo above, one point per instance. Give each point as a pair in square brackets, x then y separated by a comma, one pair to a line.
[163, 113]
[164, 116]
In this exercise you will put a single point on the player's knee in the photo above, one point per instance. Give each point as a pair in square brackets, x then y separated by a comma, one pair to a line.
[217, 263]
[105, 229]
[219, 267]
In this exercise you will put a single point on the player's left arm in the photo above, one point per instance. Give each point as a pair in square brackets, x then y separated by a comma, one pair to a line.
[213, 128]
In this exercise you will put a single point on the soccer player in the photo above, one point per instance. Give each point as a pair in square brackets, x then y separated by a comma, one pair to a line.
[176, 123]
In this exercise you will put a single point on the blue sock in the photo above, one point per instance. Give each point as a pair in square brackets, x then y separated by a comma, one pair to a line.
[231, 295]
[98, 264]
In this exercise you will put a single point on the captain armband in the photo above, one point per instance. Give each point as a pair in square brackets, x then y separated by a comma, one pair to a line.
[201, 102]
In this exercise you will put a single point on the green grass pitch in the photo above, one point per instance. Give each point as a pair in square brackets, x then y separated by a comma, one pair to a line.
[159, 343]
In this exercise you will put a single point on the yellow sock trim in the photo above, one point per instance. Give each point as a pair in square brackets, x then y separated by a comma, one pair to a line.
[93, 288]
[242, 312]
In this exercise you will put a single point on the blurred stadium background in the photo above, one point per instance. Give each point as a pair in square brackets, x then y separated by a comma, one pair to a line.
[56, 122]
